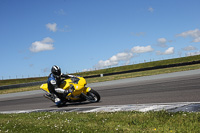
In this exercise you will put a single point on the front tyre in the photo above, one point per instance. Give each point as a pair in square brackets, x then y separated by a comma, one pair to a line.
[93, 96]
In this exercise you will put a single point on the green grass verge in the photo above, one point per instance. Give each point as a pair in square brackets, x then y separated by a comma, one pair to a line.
[19, 81]
[21, 89]
[160, 121]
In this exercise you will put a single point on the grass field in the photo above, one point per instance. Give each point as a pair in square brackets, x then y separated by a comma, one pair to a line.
[19, 81]
[133, 122]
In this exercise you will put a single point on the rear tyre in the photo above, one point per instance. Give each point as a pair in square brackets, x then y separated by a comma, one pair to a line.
[93, 96]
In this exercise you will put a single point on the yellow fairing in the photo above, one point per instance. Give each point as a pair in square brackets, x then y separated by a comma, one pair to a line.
[82, 81]
[44, 87]
[79, 87]
[66, 84]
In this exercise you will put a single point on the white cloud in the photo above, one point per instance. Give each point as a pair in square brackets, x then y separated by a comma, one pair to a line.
[167, 52]
[195, 34]
[115, 59]
[189, 48]
[193, 53]
[162, 42]
[150, 9]
[52, 27]
[106, 63]
[142, 49]
[123, 56]
[45, 44]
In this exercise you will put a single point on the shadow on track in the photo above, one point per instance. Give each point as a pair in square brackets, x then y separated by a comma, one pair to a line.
[73, 104]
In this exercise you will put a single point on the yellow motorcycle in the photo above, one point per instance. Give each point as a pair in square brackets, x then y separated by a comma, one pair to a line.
[80, 92]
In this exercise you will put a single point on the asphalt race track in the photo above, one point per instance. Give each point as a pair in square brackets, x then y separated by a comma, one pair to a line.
[164, 88]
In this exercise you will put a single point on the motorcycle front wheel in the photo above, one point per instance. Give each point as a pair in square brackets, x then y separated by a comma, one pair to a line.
[93, 96]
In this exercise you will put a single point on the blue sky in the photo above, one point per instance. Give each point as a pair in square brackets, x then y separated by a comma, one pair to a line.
[80, 35]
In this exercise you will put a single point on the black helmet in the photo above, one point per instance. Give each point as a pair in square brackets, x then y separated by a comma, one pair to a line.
[56, 70]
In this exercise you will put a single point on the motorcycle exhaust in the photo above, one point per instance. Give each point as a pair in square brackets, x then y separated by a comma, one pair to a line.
[48, 96]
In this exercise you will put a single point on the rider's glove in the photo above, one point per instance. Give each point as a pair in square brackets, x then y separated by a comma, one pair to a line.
[67, 76]
[71, 76]
[71, 89]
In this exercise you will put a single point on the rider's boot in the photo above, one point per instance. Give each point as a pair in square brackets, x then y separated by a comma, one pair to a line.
[56, 99]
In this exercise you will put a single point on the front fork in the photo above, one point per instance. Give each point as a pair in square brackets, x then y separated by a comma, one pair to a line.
[84, 93]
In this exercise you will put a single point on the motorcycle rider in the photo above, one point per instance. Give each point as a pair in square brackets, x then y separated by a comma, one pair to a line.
[54, 81]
